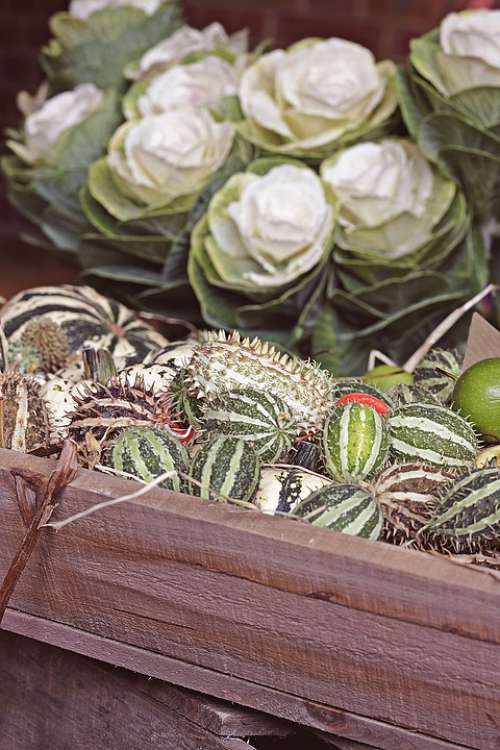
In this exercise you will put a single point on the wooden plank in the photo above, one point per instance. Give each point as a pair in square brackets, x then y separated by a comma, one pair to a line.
[397, 637]
[53, 698]
[342, 724]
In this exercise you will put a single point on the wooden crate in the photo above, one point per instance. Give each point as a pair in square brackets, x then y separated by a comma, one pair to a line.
[380, 646]
[56, 699]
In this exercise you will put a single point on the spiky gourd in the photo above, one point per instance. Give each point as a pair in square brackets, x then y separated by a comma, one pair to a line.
[101, 411]
[86, 318]
[24, 418]
[408, 496]
[410, 394]
[353, 385]
[348, 508]
[281, 488]
[468, 516]
[147, 453]
[258, 418]
[225, 362]
[225, 468]
[432, 434]
[437, 374]
[355, 442]
[43, 346]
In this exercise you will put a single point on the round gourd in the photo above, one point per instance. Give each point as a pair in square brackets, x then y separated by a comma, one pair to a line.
[258, 418]
[343, 507]
[468, 517]
[437, 373]
[355, 442]
[432, 434]
[146, 453]
[86, 318]
[281, 488]
[477, 396]
[225, 467]
[409, 394]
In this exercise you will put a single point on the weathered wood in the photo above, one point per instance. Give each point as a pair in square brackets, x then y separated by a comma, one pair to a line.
[53, 698]
[298, 710]
[295, 615]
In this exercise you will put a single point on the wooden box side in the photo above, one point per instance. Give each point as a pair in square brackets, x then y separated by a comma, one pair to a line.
[277, 610]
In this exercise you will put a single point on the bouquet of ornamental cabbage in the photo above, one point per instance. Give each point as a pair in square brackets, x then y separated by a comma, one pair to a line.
[450, 98]
[96, 39]
[316, 97]
[146, 195]
[405, 252]
[51, 153]
[258, 255]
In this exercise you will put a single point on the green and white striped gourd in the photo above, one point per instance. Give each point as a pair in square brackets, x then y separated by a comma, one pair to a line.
[410, 394]
[468, 517]
[86, 319]
[225, 362]
[432, 434]
[148, 452]
[258, 418]
[348, 508]
[352, 385]
[437, 374]
[225, 467]
[355, 442]
[282, 487]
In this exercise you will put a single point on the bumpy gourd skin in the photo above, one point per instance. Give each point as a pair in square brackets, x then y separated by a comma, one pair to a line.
[477, 396]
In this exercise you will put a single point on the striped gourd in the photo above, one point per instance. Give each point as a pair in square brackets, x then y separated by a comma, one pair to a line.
[258, 418]
[432, 434]
[282, 487]
[352, 385]
[468, 517]
[343, 507]
[408, 496]
[86, 318]
[225, 467]
[147, 453]
[176, 355]
[225, 362]
[355, 442]
[437, 374]
[410, 394]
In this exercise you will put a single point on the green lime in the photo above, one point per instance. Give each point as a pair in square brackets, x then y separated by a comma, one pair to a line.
[386, 377]
[477, 396]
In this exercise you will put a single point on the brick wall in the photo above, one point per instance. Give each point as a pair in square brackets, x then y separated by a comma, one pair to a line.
[383, 25]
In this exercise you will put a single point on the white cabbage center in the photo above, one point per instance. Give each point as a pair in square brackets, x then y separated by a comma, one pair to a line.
[375, 182]
[475, 34]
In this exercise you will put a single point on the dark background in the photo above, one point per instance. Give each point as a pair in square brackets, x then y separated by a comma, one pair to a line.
[386, 26]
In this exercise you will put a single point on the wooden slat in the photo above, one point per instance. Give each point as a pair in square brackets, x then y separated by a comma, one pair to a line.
[53, 698]
[335, 722]
[397, 637]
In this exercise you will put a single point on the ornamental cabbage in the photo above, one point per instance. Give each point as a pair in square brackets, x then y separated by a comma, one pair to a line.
[95, 40]
[187, 43]
[52, 151]
[405, 249]
[257, 252]
[159, 162]
[450, 99]
[205, 83]
[317, 96]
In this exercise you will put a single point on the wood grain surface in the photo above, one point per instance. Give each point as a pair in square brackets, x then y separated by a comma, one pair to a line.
[55, 699]
[385, 647]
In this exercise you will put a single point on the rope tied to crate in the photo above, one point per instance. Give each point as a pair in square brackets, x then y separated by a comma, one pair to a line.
[36, 507]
